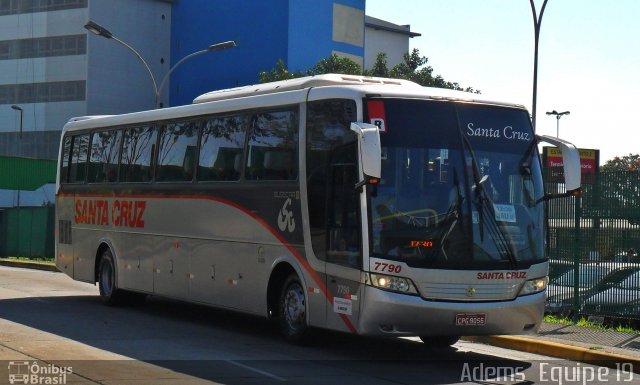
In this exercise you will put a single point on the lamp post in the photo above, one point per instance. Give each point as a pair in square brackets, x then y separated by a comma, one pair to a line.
[211, 48]
[99, 30]
[558, 116]
[19, 109]
[537, 21]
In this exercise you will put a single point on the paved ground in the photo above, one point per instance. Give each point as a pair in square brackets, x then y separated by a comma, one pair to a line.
[49, 321]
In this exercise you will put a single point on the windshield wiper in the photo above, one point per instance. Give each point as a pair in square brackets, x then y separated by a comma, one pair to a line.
[503, 245]
[477, 186]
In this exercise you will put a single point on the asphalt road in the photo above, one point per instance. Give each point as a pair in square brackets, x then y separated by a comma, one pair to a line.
[55, 329]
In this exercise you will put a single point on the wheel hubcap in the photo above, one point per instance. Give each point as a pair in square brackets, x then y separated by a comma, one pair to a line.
[294, 306]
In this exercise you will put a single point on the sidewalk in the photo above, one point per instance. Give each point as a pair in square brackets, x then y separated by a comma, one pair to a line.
[570, 342]
[47, 266]
[576, 343]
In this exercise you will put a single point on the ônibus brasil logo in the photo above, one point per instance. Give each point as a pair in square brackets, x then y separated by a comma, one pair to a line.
[32, 372]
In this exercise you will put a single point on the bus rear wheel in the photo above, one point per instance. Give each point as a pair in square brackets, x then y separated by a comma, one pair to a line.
[439, 341]
[292, 311]
[109, 293]
[107, 283]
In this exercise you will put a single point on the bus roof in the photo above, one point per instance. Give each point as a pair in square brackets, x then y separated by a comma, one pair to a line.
[365, 84]
[299, 84]
[288, 91]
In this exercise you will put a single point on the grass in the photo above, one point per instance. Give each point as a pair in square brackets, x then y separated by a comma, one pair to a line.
[30, 259]
[584, 322]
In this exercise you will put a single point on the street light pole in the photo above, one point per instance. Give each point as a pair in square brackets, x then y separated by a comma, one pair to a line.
[99, 30]
[211, 48]
[19, 109]
[558, 116]
[537, 21]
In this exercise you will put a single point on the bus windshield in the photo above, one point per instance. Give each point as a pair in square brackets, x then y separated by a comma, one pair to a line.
[459, 189]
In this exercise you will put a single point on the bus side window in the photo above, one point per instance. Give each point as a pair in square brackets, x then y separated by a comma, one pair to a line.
[272, 146]
[66, 157]
[138, 149]
[79, 152]
[104, 154]
[176, 152]
[221, 148]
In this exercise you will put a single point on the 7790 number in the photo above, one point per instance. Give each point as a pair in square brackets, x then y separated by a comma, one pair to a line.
[388, 267]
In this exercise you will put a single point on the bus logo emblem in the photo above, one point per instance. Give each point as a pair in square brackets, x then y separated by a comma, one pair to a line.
[471, 291]
[285, 217]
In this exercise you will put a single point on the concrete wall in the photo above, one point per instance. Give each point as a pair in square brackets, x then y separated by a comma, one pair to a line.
[117, 81]
[387, 37]
[41, 121]
[395, 45]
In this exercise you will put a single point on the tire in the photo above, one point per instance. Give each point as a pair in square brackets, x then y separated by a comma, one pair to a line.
[292, 311]
[107, 280]
[439, 341]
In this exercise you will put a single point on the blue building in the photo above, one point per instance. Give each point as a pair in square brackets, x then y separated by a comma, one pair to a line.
[300, 32]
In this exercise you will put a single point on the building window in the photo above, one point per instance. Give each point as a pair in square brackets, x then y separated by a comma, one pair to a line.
[42, 92]
[43, 47]
[14, 7]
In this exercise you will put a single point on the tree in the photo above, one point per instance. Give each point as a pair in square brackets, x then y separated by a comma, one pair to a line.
[413, 67]
[279, 72]
[336, 65]
[379, 68]
[629, 162]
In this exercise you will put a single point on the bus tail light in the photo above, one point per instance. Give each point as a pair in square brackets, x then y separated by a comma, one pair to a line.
[533, 286]
[393, 283]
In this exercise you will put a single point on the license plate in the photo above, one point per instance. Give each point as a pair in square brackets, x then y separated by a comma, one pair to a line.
[475, 319]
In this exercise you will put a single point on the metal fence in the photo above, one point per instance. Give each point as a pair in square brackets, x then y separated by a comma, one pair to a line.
[27, 232]
[594, 242]
[26, 207]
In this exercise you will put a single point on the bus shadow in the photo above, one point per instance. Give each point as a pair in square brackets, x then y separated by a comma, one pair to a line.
[230, 348]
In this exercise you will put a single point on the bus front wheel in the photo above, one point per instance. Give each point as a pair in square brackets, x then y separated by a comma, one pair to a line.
[292, 311]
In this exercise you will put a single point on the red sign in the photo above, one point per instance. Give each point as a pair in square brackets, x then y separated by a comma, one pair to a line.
[552, 161]
[377, 116]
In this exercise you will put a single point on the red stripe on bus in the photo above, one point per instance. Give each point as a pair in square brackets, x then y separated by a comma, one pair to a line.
[257, 218]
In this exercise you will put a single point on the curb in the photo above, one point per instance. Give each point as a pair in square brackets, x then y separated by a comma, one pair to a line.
[29, 265]
[558, 350]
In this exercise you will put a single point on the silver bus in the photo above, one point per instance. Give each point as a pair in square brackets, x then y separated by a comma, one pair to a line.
[365, 205]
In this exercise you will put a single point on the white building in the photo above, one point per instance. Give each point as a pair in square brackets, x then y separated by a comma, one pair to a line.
[383, 36]
[52, 69]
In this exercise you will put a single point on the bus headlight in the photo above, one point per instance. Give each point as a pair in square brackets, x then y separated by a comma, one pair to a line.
[533, 286]
[393, 283]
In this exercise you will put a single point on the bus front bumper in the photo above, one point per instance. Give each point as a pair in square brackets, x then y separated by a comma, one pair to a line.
[394, 314]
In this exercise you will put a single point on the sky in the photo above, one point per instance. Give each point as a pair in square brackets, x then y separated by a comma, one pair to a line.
[589, 60]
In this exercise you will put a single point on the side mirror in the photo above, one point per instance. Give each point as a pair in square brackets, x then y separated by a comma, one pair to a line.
[369, 149]
[570, 160]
